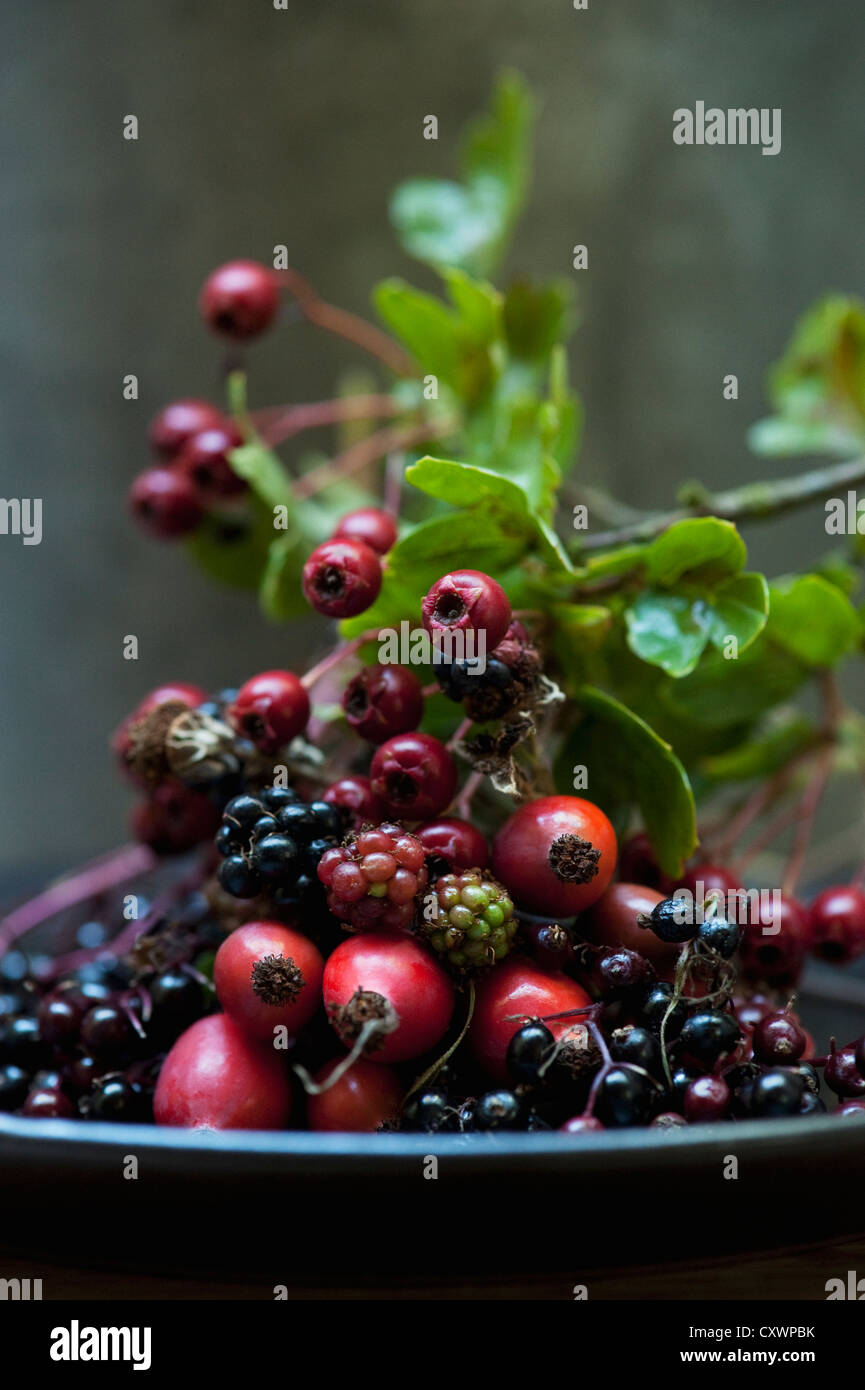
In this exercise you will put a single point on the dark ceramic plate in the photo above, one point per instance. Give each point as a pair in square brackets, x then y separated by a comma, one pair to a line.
[297, 1202]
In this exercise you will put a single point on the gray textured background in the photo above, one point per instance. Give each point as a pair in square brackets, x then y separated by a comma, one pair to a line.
[258, 127]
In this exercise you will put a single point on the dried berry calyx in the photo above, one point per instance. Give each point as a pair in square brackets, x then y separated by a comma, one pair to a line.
[469, 920]
[276, 979]
[573, 859]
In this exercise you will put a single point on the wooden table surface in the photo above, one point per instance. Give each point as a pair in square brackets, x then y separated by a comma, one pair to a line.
[796, 1273]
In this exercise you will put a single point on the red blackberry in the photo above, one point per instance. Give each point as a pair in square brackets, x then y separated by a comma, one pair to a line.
[373, 880]
[469, 920]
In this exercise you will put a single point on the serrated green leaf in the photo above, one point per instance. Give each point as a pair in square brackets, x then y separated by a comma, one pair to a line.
[736, 609]
[703, 550]
[627, 762]
[662, 630]
[812, 620]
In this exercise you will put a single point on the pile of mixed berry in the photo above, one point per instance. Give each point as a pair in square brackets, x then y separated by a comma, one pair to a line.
[352, 952]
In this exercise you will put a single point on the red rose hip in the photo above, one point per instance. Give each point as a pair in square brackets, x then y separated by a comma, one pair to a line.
[390, 979]
[267, 976]
[215, 1077]
[556, 855]
[511, 994]
[837, 921]
[365, 1098]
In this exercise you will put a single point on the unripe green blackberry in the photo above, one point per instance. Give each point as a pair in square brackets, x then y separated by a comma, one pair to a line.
[468, 919]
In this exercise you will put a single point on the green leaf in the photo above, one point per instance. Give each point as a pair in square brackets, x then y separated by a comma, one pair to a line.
[535, 317]
[703, 549]
[424, 324]
[478, 305]
[465, 485]
[662, 630]
[465, 225]
[431, 550]
[737, 609]
[818, 387]
[627, 762]
[266, 476]
[232, 547]
[813, 620]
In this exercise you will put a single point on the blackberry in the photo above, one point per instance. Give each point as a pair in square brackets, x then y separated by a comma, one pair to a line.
[374, 878]
[272, 842]
[469, 920]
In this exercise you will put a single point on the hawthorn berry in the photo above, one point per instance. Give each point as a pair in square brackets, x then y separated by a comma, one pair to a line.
[165, 502]
[391, 981]
[216, 1077]
[179, 421]
[456, 842]
[366, 1098]
[860, 1055]
[342, 578]
[710, 880]
[511, 995]
[374, 527]
[414, 775]
[239, 300]
[837, 922]
[381, 701]
[356, 796]
[556, 855]
[266, 976]
[204, 461]
[467, 601]
[270, 709]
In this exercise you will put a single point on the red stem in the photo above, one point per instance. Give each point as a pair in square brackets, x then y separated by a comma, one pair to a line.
[364, 452]
[95, 878]
[340, 653]
[346, 325]
[278, 423]
[805, 821]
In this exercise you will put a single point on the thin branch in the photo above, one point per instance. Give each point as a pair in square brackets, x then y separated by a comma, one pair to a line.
[366, 451]
[346, 325]
[278, 423]
[752, 502]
